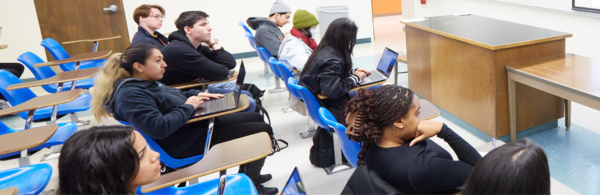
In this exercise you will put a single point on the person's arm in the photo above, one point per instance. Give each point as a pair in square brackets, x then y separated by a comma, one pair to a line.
[332, 85]
[139, 109]
[268, 40]
[219, 56]
[296, 56]
[193, 63]
[464, 150]
[191, 92]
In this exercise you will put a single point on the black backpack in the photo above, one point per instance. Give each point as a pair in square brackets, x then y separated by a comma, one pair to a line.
[257, 93]
[321, 153]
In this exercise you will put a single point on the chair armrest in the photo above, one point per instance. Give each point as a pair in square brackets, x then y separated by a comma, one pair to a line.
[92, 40]
[62, 77]
[21, 140]
[77, 58]
[43, 101]
[220, 157]
[9, 191]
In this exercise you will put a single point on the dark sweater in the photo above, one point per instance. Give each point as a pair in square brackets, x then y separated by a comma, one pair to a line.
[186, 63]
[158, 111]
[425, 167]
[143, 36]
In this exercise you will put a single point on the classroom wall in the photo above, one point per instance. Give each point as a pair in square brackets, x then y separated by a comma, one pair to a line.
[583, 26]
[21, 29]
[386, 7]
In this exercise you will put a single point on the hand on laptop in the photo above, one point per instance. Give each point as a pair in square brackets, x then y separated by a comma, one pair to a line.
[194, 101]
[361, 73]
[207, 96]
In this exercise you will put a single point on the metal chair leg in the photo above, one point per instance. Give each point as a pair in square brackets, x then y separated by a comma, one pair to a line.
[76, 120]
[339, 165]
[311, 129]
[278, 87]
[267, 73]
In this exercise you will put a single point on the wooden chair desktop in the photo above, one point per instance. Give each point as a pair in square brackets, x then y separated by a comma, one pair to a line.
[94, 40]
[197, 83]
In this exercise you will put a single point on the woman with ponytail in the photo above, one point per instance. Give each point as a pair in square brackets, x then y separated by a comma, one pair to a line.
[395, 142]
[128, 89]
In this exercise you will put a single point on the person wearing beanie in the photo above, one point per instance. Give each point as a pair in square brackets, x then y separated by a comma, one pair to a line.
[295, 49]
[268, 35]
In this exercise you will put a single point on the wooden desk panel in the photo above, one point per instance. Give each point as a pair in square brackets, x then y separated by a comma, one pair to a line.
[21, 140]
[243, 103]
[77, 58]
[43, 101]
[9, 191]
[62, 77]
[419, 76]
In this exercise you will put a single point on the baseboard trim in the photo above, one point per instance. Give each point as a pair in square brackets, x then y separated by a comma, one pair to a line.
[387, 14]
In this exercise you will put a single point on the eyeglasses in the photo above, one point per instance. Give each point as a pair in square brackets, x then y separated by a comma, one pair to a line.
[158, 17]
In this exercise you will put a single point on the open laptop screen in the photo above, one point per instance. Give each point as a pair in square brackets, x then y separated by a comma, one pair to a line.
[294, 185]
[239, 82]
[387, 61]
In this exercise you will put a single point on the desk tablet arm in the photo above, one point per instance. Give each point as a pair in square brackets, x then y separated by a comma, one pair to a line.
[221, 157]
[95, 40]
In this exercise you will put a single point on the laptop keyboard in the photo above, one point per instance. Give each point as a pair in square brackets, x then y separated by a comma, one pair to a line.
[376, 76]
[218, 104]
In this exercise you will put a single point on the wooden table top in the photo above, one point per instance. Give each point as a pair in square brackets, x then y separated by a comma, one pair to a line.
[21, 140]
[43, 101]
[77, 58]
[62, 77]
[321, 96]
[242, 104]
[403, 58]
[570, 72]
[9, 191]
[220, 157]
[92, 40]
[428, 110]
[195, 82]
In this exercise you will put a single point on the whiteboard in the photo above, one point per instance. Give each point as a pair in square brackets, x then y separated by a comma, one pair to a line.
[549, 4]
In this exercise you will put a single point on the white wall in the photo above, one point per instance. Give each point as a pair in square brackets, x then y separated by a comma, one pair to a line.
[225, 15]
[584, 27]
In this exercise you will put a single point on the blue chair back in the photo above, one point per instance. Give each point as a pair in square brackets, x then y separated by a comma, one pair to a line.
[58, 52]
[30, 179]
[263, 54]
[273, 66]
[246, 29]
[312, 105]
[350, 148]
[17, 96]
[164, 157]
[30, 59]
[293, 91]
[250, 39]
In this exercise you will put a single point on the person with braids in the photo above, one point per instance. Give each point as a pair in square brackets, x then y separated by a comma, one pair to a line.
[127, 88]
[395, 142]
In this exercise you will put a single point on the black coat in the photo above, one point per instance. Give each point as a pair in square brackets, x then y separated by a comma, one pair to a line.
[365, 181]
[143, 36]
[325, 76]
[158, 111]
[186, 63]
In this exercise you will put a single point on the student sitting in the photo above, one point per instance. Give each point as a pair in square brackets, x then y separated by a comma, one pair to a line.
[295, 49]
[149, 19]
[396, 145]
[189, 60]
[127, 87]
[519, 167]
[268, 35]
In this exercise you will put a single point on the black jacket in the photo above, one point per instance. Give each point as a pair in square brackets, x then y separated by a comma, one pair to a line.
[325, 76]
[143, 36]
[186, 63]
[158, 111]
[365, 181]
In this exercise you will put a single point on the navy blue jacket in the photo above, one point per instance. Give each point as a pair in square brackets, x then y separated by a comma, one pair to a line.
[157, 110]
[143, 36]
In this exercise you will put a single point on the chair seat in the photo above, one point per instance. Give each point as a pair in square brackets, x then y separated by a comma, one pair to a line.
[30, 179]
[84, 65]
[236, 184]
[81, 103]
[81, 84]
[64, 131]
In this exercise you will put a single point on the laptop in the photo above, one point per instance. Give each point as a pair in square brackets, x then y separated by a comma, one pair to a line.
[229, 101]
[294, 185]
[385, 67]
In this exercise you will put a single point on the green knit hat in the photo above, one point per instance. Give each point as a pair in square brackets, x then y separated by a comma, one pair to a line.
[304, 19]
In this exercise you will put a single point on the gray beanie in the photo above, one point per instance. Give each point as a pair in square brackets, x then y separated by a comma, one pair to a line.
[279, 7]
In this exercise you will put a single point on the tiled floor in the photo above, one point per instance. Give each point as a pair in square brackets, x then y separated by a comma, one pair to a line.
[573, 155]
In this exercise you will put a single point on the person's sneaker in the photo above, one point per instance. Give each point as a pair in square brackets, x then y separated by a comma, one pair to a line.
[263, 178]
[262, 190]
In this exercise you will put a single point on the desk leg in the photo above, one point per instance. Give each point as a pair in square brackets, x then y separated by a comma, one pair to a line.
[512, 104]
[55, 107]
[24, 160]
[568, 114]
[222, 181]
[95, 46]
[396, 73]
[211, 124]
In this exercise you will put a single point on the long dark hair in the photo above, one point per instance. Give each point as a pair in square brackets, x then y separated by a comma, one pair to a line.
[99, 160]
[374, 110]
[341, 36]
[519, 167]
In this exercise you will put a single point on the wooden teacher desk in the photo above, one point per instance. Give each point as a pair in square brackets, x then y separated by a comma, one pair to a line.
[458, 63]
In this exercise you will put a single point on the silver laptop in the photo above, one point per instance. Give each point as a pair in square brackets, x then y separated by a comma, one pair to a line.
[228, 102]
[384, 68]
[294, 185]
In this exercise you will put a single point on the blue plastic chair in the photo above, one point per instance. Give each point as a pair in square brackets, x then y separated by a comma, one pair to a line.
[30, 179]
[164, 157]
[246, 29]
[236, 184]
[64, 131]
[286, 75]
[251, 40]
[350, 148]
[18, 96]
[30, 59]
[273, 65]
[59, 53]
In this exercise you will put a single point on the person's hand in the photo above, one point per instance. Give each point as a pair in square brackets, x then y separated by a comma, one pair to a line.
[363, 70]
[214, 45]
[426, 129]
[194, 101]
[207, 96]
[360, 74]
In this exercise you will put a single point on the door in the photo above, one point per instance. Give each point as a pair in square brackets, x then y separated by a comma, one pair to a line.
[70, 20]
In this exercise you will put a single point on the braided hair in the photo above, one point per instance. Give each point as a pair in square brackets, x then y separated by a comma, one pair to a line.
[372, 110]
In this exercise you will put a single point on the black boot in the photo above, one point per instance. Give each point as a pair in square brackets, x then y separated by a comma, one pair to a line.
[262, 190]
